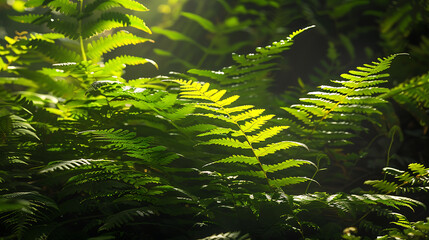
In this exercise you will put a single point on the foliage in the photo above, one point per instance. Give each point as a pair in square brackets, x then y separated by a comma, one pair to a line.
[88, 153]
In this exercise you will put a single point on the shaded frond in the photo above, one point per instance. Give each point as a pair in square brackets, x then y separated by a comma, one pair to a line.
[69, 164]
[416, 179]
[124, 217]
[66, 7]
[413, 96]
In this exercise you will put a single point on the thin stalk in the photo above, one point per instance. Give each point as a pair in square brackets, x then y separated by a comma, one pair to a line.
[388, 152]
[314, 175]
[245, 135]
[82, 47]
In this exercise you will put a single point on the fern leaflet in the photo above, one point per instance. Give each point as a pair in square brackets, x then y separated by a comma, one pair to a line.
[245, 120]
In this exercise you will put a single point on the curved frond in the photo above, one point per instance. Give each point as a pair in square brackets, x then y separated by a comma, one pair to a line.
[116, 65]
[413, 96]
[124, 217]
[66, 27]
[29, 18]
[111, 20]
[66, 7]
[214, 101]
[55, 52]
[104, 45]
[102, 5]
[69, 164]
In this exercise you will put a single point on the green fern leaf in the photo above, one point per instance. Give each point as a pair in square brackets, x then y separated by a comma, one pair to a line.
[256, 123]
[412, 95]
[265, 134]
[383, 185]
[418, 169]
[247, 115]
[69, 164]
[255, 120]
[274, 147]
[228, 142]
[216, 131]
[116, 65]
[285, 165]
[239, 159]
[288, 181]
[104, 45]
[102, 5]
[55, 52]
[111, 20]
[29, 18]
[66, 7]
[124, 217]
[68, 28]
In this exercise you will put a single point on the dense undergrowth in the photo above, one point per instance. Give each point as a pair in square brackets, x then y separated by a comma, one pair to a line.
[89, 153]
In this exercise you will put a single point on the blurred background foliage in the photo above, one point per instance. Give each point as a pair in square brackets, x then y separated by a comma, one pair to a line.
[202, 34]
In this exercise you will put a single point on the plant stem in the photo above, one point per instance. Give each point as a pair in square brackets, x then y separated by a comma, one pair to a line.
[314, 175]
[82, 48]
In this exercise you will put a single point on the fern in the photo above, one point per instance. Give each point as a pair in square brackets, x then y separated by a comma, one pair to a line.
[245, 123]
[103, 45]
[249, 74]
[337, 111]
[34, 208]
[136, 147]
[67, 165]
[414, 180]
[412, 95]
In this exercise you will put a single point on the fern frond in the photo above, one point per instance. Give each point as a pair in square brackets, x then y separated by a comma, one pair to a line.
[35, 207]
[239, 159]
[133, 146]
[412, 95]
[69, 164]
[418, 169]
[124, 217]
[65, 7]
[116, 65]
[285, 165]
[288, 181]
[29, 18]
[228, 142]
[104, 45]
[110, 20]
[274, 147]
[227, 236]
[102, 5]
[55, 52]
[383, 185]
[350, 102]
[249, 74]
[66, 27]
[414, 180]
[214, 101]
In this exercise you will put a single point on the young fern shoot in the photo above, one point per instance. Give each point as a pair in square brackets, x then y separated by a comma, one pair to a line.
[245, 133]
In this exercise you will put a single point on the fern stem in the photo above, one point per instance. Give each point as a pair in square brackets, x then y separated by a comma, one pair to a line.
[388, 152]
[82, 47]
[314, 175]
[244, 134]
